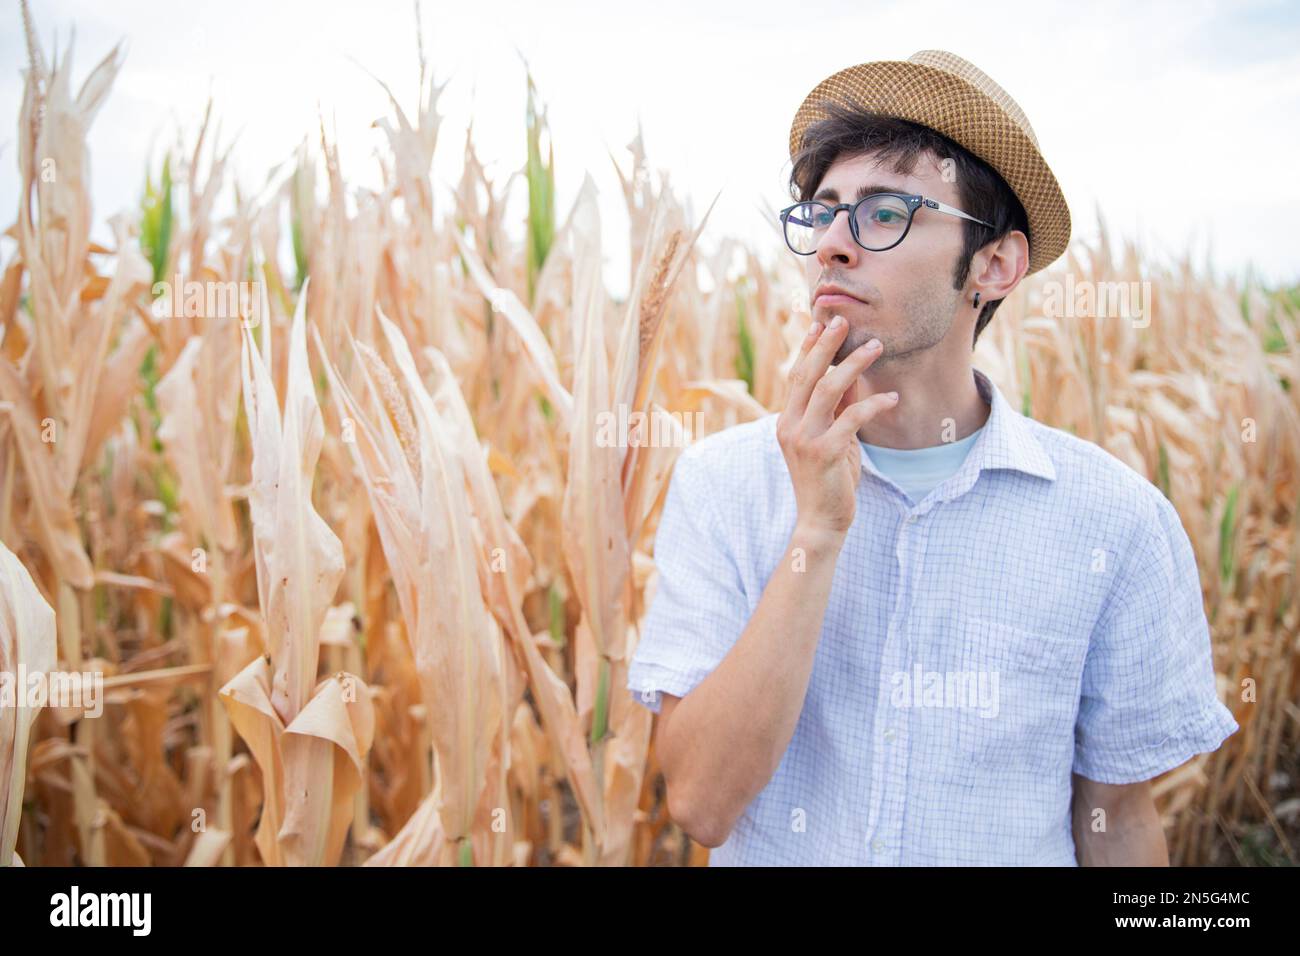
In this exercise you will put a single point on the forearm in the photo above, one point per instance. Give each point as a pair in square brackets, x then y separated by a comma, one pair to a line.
[727, 736]
[1131, 836]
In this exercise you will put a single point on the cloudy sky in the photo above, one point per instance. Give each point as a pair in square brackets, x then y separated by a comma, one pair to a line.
[1148, 111]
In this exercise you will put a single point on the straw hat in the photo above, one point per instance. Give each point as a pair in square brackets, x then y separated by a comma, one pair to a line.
[953, 97]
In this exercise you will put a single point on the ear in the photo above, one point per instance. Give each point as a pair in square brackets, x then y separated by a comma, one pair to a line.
[998, 267]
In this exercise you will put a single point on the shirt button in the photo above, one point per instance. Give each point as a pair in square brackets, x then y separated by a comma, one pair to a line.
[877, 846]
[890, 734]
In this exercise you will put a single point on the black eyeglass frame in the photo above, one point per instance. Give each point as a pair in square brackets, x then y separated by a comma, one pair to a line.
[914, 202]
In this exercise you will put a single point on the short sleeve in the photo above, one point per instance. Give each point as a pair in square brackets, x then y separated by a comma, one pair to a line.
[699, 608]
[1148, 700]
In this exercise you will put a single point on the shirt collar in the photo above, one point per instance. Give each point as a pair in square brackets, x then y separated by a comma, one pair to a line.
[1005, 441]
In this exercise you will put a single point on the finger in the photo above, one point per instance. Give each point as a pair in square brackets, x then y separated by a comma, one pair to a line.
[809, 338]
[806, 372]
[827, 393]
[858, 414]
[849, 397]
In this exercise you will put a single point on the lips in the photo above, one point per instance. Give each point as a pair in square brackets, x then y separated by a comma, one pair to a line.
[831, 295]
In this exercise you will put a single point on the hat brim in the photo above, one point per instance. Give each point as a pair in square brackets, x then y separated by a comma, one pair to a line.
[965, 114]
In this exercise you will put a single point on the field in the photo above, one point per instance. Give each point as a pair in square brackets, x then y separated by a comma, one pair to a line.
[361, 582]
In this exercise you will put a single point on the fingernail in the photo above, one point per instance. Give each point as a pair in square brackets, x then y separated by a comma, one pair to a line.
[837, 322]
[873, 344]
[892, 396]
[812, 329]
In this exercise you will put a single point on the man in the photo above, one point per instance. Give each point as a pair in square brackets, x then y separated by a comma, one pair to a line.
[899, 623]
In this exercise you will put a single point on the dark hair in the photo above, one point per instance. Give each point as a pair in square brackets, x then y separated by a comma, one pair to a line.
[984, 193]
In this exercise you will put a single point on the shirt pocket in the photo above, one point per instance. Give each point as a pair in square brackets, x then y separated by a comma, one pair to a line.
[1022, 715]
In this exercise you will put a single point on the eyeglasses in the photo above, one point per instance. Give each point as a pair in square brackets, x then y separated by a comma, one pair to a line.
[878, 221]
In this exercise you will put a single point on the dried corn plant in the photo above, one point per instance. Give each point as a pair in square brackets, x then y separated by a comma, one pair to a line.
[27, 646]
[310, 740]
[360, 573]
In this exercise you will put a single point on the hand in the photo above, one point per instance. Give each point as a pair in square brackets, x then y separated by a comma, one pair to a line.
[818, 428]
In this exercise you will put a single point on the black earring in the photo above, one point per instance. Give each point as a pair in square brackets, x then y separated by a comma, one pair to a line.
[977, 300]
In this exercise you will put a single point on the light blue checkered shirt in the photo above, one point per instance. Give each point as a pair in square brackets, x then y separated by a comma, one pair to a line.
[1037, 613]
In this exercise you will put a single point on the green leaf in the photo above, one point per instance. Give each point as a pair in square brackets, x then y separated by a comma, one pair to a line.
[745, 342]
[541, 190]
[299, 253]
[1162, 469]
[556, 607]
[165, 614]
[302, 200]
[163, 479]
[600, 706]
[1227, 559]
[156, 221]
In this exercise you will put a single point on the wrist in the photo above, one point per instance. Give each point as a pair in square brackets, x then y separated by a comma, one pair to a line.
[816, 539]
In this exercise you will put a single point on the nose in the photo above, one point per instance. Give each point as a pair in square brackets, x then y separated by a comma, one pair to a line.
[837, 244]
